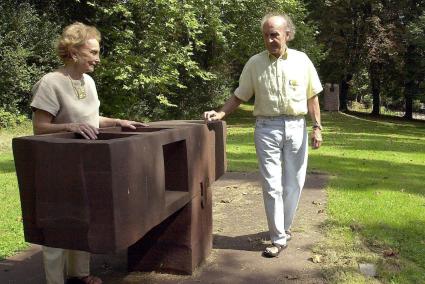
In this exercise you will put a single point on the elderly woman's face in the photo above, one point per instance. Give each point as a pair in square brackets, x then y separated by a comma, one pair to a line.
[88, 55]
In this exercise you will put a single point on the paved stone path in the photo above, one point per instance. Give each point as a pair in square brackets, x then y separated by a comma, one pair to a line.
[240, 235]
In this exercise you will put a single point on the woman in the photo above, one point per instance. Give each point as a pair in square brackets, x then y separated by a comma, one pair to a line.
[66, 100]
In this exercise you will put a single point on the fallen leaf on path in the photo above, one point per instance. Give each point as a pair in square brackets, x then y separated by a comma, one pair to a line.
[244, 193]
[291, 277]
[225, 201]
[321, 211]
[390, 253]
[317, 258]
[316, 203]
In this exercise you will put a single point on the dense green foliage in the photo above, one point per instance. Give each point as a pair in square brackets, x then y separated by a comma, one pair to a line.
[181, 57]
[26, 52]
[8, 119]
[160, 59]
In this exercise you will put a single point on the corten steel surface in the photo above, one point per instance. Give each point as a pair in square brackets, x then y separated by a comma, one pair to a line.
[104, 195]
[180, 243]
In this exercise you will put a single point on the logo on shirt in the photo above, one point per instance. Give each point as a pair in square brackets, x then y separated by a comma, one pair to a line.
[293, 83]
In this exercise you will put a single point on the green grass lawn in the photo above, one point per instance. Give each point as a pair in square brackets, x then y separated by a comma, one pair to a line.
[376, 193]
[11, 231]
[376, 204]
[376, 197]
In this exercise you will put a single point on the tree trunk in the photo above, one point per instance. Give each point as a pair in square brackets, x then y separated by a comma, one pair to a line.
[408, 99]
[375, 84]
[409, 81]
[343, 95]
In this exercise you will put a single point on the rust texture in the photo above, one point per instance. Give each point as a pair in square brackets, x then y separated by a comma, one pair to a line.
[147, 189]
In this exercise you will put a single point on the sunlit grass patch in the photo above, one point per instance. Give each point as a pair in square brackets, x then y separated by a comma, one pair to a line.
[376, 196]
[11, 230]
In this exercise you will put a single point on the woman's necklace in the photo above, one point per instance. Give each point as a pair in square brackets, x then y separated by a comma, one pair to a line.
[80, 91]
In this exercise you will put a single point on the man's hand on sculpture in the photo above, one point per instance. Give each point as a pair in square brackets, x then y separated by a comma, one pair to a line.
[316, 138]
[213, 115]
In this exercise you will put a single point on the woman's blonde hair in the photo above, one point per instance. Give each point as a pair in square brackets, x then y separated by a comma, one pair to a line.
[75, 35]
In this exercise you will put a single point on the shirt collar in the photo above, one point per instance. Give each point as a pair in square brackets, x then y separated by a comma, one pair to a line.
[284, 56]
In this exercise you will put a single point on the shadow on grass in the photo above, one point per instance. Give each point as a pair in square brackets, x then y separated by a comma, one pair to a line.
[369, 174]
[7, 166]
[365, 124]
[363, 172]
[383, 117]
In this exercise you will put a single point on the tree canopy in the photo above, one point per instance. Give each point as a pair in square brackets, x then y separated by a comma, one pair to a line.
[160, 59]
[174, 59]
[377, 43]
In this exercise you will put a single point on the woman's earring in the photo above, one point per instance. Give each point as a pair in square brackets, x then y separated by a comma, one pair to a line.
[75, 59]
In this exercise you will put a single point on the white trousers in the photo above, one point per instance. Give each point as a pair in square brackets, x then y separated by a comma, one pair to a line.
[281, 145]
[57, 261]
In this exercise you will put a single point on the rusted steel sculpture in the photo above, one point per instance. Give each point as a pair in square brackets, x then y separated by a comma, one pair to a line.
[146, 189]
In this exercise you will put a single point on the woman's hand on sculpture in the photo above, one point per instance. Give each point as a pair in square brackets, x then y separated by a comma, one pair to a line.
[86, 130]
[130, 123]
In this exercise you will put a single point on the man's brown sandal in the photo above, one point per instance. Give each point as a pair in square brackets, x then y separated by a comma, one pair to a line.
[274, 250]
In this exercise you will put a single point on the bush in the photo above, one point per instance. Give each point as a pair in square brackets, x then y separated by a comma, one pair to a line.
[367, 101]
[26, 53]
[8, 119]
[175, 59]
[418, 106]
[160, 59]
[394, 103]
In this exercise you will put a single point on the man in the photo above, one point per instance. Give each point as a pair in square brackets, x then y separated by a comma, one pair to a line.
[285, 85]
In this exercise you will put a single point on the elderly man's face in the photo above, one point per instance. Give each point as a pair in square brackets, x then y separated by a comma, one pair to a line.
[275, 35]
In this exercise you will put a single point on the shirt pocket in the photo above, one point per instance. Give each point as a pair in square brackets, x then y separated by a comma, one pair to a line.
[296, 89]
[297, 95]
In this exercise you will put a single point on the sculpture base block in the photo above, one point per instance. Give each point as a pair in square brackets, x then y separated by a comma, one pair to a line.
[180, 243]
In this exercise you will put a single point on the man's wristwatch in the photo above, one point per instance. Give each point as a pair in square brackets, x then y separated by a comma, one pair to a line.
[317, 125]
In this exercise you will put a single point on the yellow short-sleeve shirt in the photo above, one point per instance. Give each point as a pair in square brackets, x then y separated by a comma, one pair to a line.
[281, 86]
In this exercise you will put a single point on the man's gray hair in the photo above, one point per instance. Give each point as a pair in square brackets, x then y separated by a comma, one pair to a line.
[290, 27]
